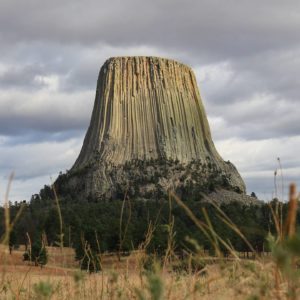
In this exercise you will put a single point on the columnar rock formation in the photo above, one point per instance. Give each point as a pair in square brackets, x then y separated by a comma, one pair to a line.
[146, 109]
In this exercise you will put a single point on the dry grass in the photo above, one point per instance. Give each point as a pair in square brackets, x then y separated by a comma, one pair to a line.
[125, 280]
[221, 279]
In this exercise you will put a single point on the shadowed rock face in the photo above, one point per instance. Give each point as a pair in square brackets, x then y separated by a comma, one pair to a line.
[148, 109]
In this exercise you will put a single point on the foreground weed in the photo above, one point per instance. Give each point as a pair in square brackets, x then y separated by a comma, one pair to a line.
[43, 290]
[155, 287]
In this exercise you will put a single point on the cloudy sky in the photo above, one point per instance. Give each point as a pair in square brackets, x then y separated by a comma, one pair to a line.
[246, 56]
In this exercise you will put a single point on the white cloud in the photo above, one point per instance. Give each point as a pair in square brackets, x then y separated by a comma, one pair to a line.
[39, 159]
[23, 189]
[51, 82]
[256, 160]
[34, 164]
[214, 76]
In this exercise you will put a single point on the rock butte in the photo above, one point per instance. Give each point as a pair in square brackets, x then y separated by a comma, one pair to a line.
[146, 108]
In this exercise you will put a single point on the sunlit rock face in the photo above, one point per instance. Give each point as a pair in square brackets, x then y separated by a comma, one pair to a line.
[148, 112]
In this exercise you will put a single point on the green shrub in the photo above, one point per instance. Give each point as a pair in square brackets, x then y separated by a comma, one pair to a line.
[37, 253]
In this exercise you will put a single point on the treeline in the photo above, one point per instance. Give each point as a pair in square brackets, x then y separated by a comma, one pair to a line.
[105, 225]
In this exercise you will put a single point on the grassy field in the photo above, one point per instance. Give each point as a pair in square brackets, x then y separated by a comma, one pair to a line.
[61, 278]
[273, 275]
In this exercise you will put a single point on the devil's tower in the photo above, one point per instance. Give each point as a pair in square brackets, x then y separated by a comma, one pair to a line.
[148, 133]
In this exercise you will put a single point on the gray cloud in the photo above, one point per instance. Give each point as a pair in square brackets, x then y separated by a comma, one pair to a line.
[257, 161]
[237, 28]
[245, 55]
[45, 111]
[46, 158]
[33, 136]
[260, 117]
[257, 97]
[23, 77]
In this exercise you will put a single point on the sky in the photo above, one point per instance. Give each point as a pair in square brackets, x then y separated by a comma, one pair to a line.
[245, 54]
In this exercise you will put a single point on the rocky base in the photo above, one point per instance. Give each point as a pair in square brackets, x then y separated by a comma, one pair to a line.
[148, 179]
[222, 196]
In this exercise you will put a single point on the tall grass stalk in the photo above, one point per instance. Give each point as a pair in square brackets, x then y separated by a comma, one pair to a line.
[61, 233]
[122, 233]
